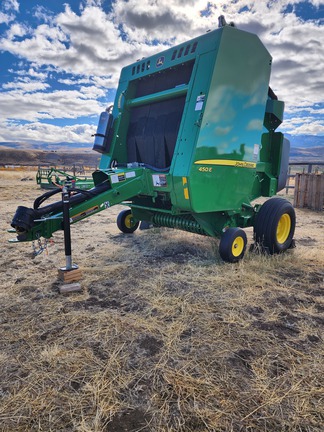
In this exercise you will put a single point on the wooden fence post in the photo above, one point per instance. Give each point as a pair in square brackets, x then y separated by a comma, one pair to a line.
[296, 189]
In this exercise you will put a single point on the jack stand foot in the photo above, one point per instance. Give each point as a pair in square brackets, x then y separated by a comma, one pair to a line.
[70, 274]
[71, 287]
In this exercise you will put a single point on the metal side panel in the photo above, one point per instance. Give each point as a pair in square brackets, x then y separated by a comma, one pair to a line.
[227, 149]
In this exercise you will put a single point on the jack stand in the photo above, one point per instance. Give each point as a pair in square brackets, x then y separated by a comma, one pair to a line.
[70, 272]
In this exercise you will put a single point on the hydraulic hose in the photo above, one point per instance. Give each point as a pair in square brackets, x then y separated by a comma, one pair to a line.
[24, 218]
[78, 198]
[38, 201]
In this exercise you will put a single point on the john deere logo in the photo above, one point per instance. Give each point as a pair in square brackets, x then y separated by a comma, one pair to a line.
[159, 62]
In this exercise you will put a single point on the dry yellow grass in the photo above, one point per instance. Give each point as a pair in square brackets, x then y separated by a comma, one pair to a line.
[165, 336]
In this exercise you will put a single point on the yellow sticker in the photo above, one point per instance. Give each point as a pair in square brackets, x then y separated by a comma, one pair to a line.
[185, 187]
[84, 214]
[225, 162]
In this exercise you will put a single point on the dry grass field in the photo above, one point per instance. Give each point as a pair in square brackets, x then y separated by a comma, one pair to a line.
[164, 336]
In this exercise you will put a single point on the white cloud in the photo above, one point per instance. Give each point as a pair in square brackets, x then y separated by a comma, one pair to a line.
[317, 3]
[8, 10]
[304, 126]
[74, 81]
[36, 74]
[30, 72]
[43, 14]
[105, 81]
[28, 102]
[87, 44]
[92, 92]
[16, 30]
[44, 132]
[147, 20]
[6, 18]
[10, 5]
[26, 87]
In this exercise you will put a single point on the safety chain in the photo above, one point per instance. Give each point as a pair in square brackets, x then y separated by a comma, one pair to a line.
[41, 246]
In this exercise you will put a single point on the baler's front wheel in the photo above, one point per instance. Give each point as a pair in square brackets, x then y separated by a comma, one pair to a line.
[232, 245]
[126, 223]
[274, 227]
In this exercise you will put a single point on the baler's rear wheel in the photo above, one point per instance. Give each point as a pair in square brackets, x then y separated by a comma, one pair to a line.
[126, 223]
[232, 245]
[274, 227]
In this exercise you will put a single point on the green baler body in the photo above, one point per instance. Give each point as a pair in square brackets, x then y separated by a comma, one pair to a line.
[217, 92]
[192, 140]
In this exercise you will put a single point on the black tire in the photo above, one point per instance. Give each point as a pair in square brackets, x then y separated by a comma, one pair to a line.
[125, 222]
[274, 226]
[233, 245]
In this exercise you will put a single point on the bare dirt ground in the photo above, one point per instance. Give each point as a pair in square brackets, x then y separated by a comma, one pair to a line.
[164, 336]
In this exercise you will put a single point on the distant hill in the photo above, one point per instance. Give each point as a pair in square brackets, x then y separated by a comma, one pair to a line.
[307, 154]
[305, 141]
[59, 147]
[11, 156]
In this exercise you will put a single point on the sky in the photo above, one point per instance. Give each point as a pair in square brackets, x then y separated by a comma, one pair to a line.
[60, 60]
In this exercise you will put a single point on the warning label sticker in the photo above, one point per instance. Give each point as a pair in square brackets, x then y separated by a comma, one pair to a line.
[159, 180]
[200, 102]
[84, 214]
[130, 174]
[116, 178]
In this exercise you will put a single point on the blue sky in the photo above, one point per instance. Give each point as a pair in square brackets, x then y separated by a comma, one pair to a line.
[60, 60]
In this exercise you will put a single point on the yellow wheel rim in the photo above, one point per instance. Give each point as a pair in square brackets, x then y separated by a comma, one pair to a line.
[129, 221]
[283, 228]
[238, 246]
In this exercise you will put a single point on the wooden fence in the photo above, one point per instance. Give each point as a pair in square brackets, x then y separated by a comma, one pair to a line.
[302, 167]
[309, 191]
[307, 180]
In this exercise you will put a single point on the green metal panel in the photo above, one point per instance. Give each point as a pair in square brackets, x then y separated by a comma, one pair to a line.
[274, 114]
[216, 162]
[222, 119]
[171, 58]
[189, 133]
[223, 170]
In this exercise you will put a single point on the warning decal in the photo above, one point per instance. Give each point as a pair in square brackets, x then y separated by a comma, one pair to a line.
[200, 102]
[84, 214]
[159, 180]
[116, 178]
